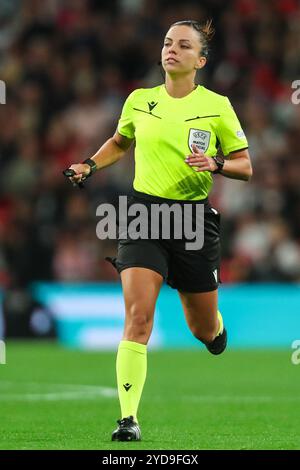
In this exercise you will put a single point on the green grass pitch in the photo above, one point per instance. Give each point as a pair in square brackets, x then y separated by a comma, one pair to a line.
[53, 398]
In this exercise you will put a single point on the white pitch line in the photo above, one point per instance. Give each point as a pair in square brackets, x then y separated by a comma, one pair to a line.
[247, 399]
[61, 392]
[56, 396]
[56, 392]
[9, 383]
[232, 399]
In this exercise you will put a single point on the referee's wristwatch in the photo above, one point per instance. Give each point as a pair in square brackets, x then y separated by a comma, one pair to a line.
[93, 166]
[219, 160]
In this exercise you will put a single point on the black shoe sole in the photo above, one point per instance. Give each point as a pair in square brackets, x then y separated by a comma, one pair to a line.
[125, 439]
[127, 433]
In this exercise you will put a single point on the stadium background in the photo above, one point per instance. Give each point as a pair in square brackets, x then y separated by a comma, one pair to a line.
[68, 67]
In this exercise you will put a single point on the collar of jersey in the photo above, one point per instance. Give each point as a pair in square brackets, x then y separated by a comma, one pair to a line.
[183, 98]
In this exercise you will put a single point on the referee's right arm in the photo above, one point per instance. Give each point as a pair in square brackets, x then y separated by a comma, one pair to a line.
[110, 152]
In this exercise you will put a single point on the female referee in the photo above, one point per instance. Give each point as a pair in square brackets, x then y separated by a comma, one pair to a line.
[177, 128]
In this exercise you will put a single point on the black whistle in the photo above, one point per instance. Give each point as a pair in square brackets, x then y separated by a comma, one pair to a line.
[69, 173]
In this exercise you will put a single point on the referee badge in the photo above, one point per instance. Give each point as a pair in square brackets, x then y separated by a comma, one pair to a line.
[200, 138]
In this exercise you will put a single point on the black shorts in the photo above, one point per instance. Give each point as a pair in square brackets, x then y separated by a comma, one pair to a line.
[187, 270]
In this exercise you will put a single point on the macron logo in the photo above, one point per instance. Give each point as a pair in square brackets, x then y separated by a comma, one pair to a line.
[151, 106]
[127, 387]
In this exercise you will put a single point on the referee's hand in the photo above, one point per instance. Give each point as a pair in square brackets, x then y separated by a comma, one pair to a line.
[82, 171]
[200, 161]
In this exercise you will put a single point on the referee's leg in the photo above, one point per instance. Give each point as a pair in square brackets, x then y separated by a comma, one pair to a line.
[204, 319]
[141, 287]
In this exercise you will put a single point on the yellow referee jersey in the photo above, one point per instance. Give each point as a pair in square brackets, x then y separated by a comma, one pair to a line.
[164, 129]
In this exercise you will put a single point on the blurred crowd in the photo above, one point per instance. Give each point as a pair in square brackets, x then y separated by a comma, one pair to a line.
[68, 66]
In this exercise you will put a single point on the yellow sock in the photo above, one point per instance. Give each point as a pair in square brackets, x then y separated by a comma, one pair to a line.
[220, 323]
[131, 376]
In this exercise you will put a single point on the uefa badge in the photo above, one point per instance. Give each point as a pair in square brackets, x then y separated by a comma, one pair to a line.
[199, 138]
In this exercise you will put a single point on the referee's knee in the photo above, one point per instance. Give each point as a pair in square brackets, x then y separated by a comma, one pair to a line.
[138, 325]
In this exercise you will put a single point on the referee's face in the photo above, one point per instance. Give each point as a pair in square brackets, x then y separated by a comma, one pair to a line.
[182, 51]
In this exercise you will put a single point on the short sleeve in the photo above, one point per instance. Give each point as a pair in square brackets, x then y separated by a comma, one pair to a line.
[126, 125]
[229, 131]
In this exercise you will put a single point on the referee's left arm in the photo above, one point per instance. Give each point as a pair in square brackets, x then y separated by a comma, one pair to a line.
[237, 165]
